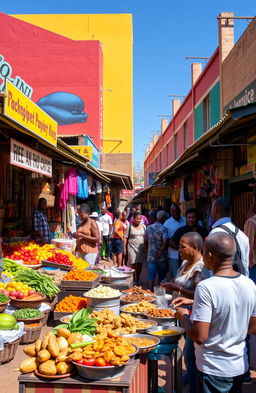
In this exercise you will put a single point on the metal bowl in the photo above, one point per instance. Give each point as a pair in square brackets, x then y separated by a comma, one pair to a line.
[162, 320]
[167, 339]
[97, 373]
[147, 348]
[134, 314]
[147, 321]
[136, 301]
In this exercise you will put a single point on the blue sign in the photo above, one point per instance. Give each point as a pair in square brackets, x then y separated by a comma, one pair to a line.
[95, 152]
[152, 177]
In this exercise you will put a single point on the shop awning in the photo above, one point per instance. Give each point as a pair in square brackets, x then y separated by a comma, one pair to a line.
[231, 127]
[120, 180]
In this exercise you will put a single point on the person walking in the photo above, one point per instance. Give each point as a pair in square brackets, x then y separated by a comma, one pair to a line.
[172, 224]
[87, 236]
[107, 223]
[118, 240]
[221, 210]
[134, 245]
[95, 217]
[219, 324]
[144, 218]
[155, 244]
[41, 230]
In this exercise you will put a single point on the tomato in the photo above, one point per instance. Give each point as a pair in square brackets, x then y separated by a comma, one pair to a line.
[89, 362]
[13, 293]
[31, 292]
[80, 361]
[100, 362]
[20, 295]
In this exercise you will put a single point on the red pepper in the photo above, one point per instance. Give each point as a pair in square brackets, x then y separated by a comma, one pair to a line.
[89, 362]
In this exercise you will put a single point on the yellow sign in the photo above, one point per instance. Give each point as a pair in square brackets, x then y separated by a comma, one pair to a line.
[25, 112]
[85, 151]
[251, 151]
[161, 191]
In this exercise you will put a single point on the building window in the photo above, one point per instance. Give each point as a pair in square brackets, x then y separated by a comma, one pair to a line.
[160, 162]
[206, 113]
[185, 135]
[175, 146]
[167, 154]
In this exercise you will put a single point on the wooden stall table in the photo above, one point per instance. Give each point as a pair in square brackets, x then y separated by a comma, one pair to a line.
[127, 383]
[175, 354]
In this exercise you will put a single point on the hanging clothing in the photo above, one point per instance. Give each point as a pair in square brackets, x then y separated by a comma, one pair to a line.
[83, 189]
[72, 181]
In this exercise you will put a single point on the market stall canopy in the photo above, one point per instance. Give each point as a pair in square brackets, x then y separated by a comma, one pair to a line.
[120, 180]
[141, 196]
[237, 123]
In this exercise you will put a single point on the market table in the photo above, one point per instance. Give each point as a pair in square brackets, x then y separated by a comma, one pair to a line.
[129, 382]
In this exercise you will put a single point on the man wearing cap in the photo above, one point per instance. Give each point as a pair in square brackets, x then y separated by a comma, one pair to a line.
[95, 217]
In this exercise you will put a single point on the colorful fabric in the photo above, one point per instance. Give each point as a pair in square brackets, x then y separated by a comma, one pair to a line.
[118, 227]
[72, 181]
[40, 224]
[155, 234]
[83, 189]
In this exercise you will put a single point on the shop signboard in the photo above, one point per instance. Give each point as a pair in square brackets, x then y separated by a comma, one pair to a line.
[95, 161]
[245, 97]
[25, 112]
[251, 150]
[161, 191]
[85, 151]
[152, 177]
[30, 159]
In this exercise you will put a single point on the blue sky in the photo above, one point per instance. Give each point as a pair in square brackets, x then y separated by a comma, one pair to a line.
[165, 32]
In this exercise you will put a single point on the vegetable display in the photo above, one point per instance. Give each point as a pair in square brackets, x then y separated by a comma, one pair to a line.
[27, 313]
[39, 282]
[3, 298]
[60, 259]
[11, 266]
[71, 304]
[80, 275]
[56, 275]
[103, 292]
[15, 288]
[81, 322]
[8, 322]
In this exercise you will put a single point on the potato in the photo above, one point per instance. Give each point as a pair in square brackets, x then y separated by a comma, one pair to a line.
[62, 332]
[53, 347]
[62, 343]
[48, 368]
[64, 368]
[75, 338]
[45, 341]
[30, 350]
[29, 365]
[38, 344]
[43, 355]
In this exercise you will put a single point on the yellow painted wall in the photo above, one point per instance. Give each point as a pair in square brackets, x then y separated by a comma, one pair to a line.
[115, 33]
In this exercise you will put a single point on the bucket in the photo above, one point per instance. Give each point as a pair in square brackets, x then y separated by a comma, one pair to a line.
[102, 302]
[63, 244]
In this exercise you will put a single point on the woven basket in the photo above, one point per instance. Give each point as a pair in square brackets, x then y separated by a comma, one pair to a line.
[45, 317]
[9, 351]
[3, 306]
[70, 284]
[23, 303]
[31, 334]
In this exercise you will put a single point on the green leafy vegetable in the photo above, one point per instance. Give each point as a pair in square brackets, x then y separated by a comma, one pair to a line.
[38, 281]
[81, 322]
[27, 313]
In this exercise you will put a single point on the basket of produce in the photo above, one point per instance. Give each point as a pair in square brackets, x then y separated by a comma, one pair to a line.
[80, 279]
[167, 334]
[41, 283]
[59, 260]
[138, 309]
[57, 265]
[46, 315]
[144, 342]
[69, 305]
[4, 301]
[112, 354]
[137, 289]
[143, 324]
[31, 301]
[134, 297]
[9, 351]
[28, 315]
[163, 316]
[32, 332]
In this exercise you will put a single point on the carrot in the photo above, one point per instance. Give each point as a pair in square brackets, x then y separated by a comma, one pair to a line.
[71, 304]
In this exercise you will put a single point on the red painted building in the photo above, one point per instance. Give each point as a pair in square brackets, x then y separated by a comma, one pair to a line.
[65, 75]
[198, 112]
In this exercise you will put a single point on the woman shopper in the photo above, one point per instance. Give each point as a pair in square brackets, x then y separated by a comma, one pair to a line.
[189, 274]
[87, 236]
[118, 240]
[134, 245]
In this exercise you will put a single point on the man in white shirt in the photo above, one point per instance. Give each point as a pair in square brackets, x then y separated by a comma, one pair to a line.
[224, 312]
[172, 224]
[107, 223]
[221, 210]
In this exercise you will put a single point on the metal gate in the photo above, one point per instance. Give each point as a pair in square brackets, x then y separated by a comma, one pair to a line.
[240, 208]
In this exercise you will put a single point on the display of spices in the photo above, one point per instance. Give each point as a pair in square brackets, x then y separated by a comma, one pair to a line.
[80, 275]
[71, 304]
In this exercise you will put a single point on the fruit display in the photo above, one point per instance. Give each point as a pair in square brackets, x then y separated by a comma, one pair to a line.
[27, 313]
[78, 263]
[81, 322]
[109, 322]
[60, 258]
[39, 282]
[71, 304]
[80, 275]
[19, 289]
[140, 307]
[8, 322]
[103, 292]
[29, 253]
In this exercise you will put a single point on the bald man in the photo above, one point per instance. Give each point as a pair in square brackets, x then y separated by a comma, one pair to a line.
[224, 312]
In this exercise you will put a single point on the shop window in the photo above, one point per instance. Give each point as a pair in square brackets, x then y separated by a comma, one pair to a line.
[185, 135]
[175, 146]
[206, 113]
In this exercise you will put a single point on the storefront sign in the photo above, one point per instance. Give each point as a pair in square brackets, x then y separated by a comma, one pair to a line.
[161, 191]
[30, 159]
[125, 192]
[25, 112]
[95, 161]
[85, 151]
[247, 96]
[152, 177]
[251, 151]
